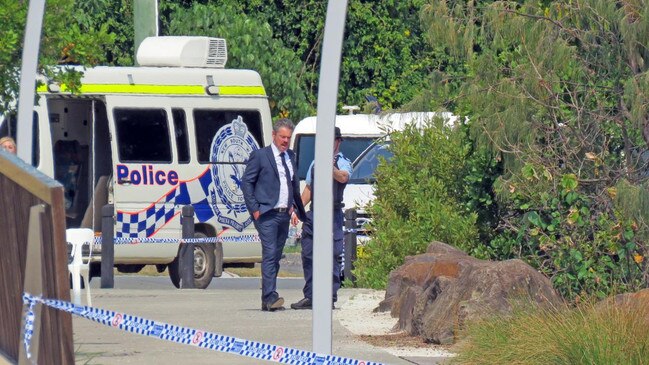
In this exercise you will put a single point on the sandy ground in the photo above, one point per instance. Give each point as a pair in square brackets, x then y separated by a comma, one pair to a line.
[358, 316]
[355, 311]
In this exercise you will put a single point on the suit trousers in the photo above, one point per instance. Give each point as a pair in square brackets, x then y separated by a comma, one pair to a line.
[307, 252]
[272, 227]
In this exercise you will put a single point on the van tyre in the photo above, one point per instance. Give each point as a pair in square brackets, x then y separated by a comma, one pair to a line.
[208, 262]
[204, 262]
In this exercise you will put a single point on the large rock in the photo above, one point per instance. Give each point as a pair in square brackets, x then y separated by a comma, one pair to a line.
[637, 304]
[436, 293]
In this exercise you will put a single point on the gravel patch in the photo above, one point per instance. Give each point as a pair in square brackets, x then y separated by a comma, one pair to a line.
[377, 328]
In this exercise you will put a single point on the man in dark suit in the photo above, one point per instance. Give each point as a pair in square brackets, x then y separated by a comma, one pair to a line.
[271, 190]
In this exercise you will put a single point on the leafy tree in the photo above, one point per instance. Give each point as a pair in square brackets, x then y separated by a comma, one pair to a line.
[384, 54]
[117, 18]
[250, 45]
[418, 199]
[559, 91]
[63, 42]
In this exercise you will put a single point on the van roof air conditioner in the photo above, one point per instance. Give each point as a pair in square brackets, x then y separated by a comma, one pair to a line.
[180, 51]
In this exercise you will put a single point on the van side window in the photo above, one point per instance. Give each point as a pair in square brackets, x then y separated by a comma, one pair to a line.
[142, 135]
[209, 121]
[180, 130]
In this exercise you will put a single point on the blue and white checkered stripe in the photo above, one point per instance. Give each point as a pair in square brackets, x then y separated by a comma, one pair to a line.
[184, 335]
[146, 222]
[30, 302]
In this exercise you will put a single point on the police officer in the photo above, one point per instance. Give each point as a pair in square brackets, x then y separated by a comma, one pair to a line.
[342, 169]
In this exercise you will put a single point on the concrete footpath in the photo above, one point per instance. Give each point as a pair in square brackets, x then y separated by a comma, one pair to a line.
[228, 307]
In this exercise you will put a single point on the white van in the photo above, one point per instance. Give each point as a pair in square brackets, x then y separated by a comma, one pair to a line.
[359, 131]
[176, 130]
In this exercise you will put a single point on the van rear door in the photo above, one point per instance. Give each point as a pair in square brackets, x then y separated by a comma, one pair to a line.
[144, 177]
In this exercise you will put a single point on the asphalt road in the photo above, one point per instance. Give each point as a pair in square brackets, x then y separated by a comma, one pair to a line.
[229, 306]
[224, 283]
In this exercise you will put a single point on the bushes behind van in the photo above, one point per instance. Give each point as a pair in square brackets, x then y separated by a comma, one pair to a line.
[250, 46]
[419, 198]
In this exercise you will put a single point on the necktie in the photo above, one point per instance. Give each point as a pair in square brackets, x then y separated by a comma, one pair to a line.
[287, 175]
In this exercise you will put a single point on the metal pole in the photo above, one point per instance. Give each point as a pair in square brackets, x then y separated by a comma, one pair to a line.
[350, 244]
[187, 249]
[28, 79]
[145, 21]
[107, 246]
[323, 231]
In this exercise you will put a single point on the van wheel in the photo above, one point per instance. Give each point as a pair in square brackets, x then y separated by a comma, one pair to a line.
[204, 262]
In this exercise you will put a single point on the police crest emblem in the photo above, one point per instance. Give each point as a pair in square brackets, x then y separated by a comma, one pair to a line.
[231, 147]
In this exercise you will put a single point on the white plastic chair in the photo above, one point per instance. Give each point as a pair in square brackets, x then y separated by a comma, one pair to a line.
[80, 266]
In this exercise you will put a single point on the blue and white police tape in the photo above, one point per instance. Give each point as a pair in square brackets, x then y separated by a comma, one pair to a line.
[250, 238]
[184, 335]
[229, 239]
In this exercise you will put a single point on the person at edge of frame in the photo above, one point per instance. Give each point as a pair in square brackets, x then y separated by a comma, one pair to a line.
[8, 144]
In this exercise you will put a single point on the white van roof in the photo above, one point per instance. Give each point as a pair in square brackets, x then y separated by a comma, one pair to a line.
[166, 81]
[373, 125]
[173, 65]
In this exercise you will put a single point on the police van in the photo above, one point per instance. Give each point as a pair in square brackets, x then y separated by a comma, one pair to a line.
[174, 131]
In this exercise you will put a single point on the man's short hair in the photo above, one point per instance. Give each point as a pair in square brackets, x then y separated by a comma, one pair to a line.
[283, 123]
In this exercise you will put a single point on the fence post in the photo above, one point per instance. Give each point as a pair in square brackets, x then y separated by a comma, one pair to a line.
[187, 249]
[107, 246]
[350, 244]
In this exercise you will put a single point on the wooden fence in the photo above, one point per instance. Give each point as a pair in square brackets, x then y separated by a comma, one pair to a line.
[40, 269]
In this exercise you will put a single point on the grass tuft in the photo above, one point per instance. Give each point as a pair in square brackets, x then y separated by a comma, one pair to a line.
[602, 333]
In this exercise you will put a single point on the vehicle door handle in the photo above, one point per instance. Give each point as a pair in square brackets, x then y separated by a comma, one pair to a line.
[124, 182]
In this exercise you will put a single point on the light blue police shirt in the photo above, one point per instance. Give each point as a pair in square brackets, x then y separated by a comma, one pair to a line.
[343, 164]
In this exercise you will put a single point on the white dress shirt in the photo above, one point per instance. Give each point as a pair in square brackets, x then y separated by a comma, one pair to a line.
[282, 202]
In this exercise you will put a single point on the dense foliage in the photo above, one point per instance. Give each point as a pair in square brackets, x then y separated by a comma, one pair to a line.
[62, 43]
[384, 53]
[418, 199]
[559, 92]
[250, 45]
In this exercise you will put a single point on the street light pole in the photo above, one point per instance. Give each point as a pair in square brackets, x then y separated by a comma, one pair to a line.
[28, 79]
[323, 189]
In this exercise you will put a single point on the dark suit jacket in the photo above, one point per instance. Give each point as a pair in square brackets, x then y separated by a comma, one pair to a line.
[261, 183]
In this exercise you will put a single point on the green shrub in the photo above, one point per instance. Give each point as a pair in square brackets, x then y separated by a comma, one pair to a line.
[556, 225]
[417, 201]
[588, 334]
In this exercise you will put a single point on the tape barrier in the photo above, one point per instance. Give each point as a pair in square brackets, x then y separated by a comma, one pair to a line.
[184, 335]
[230, 239]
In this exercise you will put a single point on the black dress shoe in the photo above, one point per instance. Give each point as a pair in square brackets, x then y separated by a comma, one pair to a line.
[273, 306]
[304, 303]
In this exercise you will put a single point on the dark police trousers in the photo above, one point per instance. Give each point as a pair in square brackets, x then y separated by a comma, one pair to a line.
[307, 252]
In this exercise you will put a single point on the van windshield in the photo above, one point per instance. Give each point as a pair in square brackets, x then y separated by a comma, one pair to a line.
[351, 147]
[366, 164]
